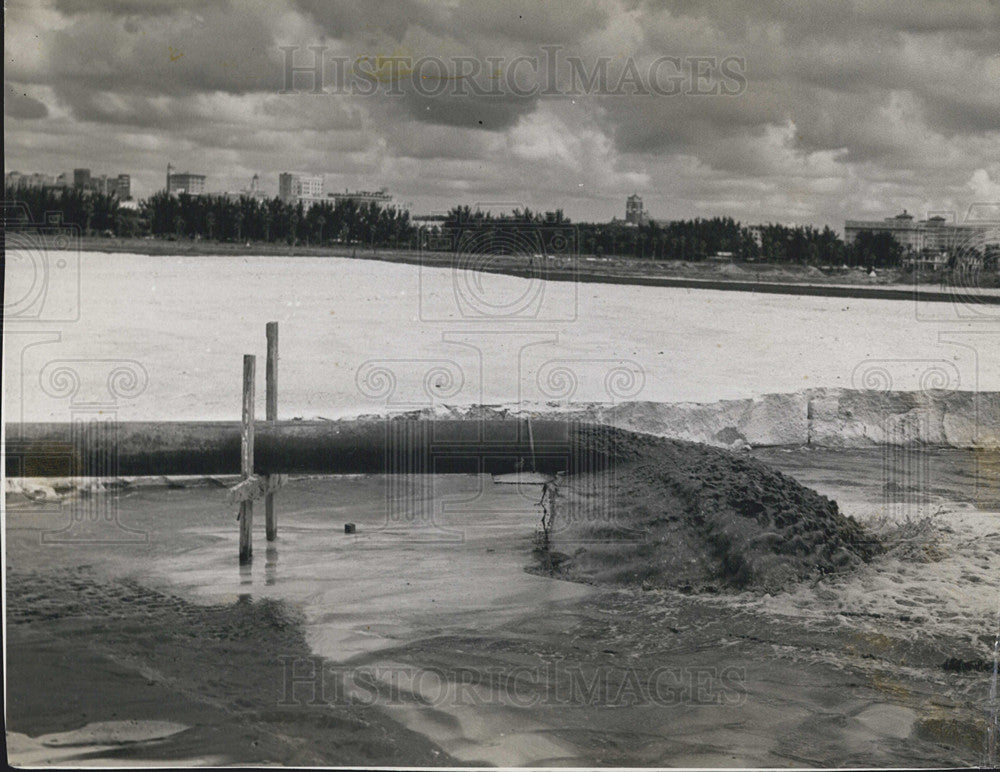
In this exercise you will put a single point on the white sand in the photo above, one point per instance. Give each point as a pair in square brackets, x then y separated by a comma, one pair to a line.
[451, 338]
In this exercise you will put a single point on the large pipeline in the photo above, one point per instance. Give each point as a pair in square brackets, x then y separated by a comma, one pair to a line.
[404, 446]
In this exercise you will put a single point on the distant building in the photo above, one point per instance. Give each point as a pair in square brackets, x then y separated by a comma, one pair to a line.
[81, 179]
[253, 191]
[380, 196]
[35, 181]
[32, 181]
[192, 184]
[635, 212]
[293, 186]
[123, 187]
[358, 197]
[936, 238]
[902, 227]
[934, 233]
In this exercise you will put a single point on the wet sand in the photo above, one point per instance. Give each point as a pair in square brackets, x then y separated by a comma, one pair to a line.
[83, 649]
[428, 623]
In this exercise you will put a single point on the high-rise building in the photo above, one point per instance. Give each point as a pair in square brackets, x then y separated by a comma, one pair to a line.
[293, 186]
[123, 187]
[81, 178]
[192, 184]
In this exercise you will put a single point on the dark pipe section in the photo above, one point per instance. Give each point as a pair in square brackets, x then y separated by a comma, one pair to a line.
[404, 446]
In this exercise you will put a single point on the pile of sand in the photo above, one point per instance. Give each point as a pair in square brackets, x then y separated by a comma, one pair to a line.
[675, 514]
[730, 269]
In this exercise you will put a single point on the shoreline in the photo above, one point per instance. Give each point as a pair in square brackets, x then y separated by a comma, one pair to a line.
[764, 278]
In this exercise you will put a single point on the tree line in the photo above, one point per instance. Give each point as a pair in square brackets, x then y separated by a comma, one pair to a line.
[689, 240]
[243, 219]
[348, 222]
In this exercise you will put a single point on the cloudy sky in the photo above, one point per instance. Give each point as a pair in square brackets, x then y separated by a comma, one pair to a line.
[765, 111]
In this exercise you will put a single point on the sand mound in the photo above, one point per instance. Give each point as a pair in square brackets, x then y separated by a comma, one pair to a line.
[729, 269]
[676, 514]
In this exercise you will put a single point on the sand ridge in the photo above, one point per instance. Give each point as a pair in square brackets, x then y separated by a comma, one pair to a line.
[669, 513]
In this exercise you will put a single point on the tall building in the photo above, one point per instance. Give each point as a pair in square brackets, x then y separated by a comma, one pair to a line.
[192, 184]
[81, 178]
[293, 186]
[123, 187]
[635, 212]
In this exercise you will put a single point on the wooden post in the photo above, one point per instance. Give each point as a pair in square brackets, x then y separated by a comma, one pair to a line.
[272, 415]
[246, 457]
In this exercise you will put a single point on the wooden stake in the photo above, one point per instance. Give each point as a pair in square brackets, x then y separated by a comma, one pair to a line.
[246, 457]
[271, 396]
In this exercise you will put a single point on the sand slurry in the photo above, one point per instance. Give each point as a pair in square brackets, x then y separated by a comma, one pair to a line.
[88, 657]
[666, 513]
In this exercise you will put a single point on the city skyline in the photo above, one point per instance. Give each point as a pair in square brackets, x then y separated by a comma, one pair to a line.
[824, 114]
[290, 188]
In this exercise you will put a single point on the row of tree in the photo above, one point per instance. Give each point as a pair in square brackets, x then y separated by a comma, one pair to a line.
[696, 239]
[347, 222]
[273, 220]
[90, 212]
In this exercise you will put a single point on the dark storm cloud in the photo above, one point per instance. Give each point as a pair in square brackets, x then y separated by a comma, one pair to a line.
[487, 113]
[829, 68]
[846, 97]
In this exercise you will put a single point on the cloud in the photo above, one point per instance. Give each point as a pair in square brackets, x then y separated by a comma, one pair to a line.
[848, 108]
[17, 104]
[192, 49]
[985, 189]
